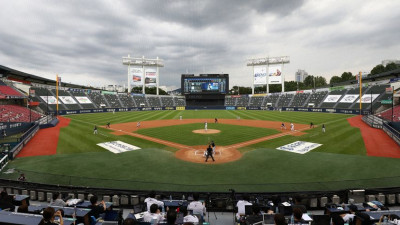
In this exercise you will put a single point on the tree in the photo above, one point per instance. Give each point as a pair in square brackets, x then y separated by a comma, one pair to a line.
[309, 81]
[347, 76]
[149, 90]
[378, 69]
[335, 79]
[320, 81]
[391, 66]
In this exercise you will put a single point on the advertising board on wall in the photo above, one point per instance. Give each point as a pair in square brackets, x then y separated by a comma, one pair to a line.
[260, 75]
[275, 74]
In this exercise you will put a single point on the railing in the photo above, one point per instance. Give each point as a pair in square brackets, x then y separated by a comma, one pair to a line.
[23, 140]
[393, 133]
[373, 121]
[3, 162]
[143, 184]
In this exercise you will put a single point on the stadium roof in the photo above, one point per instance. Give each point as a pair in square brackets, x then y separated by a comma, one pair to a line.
[13, 74]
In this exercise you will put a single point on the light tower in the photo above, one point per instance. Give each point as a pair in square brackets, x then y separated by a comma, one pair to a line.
[266, 62]
[142, 63]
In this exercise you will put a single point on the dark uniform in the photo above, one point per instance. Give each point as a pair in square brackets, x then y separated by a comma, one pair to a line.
[209, 153]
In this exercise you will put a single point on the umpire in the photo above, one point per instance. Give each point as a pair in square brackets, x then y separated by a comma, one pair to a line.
[210, 153]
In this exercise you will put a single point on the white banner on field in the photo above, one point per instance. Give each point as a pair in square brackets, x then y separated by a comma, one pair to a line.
[67, 99]
[118, 147]
[51, 100]
[260, 75]
[332, 98]
[367, 98]
[83, 100]
[349, 98]
[275, 74]
[137, 73]
[300, 147]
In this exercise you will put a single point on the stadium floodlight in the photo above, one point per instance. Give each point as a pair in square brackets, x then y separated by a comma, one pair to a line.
[267, 61]
[142, 62]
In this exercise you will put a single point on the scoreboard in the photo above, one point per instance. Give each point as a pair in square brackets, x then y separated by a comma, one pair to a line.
[205, 84]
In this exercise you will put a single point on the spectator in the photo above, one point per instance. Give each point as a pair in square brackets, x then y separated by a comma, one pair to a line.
[57, 201]
[279, 219]
[337, 220]
[362, 219]
[256, 217]
[197, 206]
[349, 217]
[392, 218]
[297, 204]
[171, 217]
[49, 215]
[241, 205]
[6, 201]
[152, 200]
[23, 208]
[153, 216]
[96, 209]
[129, 221]
[187, 217]
[298, 216]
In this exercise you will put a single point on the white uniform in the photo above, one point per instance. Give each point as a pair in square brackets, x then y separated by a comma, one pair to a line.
[152, 217]
[150, 201]
[138, 124]
[190, 219]
[241, 205]
[205, 126]
[180, 117]
[291, 127]
[197, 207]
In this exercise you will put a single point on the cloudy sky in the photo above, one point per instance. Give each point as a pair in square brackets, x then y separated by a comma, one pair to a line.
[84, 41]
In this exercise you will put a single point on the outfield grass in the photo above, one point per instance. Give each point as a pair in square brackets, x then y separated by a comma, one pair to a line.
[340, 163]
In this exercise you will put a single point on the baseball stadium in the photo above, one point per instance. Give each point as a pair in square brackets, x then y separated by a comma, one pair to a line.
[329, 144]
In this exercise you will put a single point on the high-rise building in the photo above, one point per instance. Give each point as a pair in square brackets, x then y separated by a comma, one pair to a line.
[301, 75]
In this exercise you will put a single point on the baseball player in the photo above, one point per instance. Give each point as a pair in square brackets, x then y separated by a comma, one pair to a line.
[213, 147]
[323, 128]
[205, 126]
[283, 126]
[95, 129]
[138, 124]
[210, 153]
[291, 127]
[180, 117]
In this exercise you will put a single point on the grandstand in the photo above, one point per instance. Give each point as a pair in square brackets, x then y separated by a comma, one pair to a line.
[14, 113]
[285, 100]
[300, 99]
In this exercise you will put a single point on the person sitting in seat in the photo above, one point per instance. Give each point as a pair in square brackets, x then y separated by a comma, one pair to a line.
[171, 217]
[337, 220]
[362, 219]
[256, 217]
[57, 201]
[298, 216]
[197, 206]
[96, 209]
[129, 221]
[49, 215]
[298, 204]
[279, 219]
[187, 217]
[153, 216]
[349, 217]
[6, 201]
[241, 205]
[152, 200]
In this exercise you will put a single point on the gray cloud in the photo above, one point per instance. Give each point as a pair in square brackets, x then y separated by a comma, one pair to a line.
[84, 41]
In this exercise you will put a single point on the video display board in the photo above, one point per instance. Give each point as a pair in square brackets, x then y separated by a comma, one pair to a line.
[205, 84]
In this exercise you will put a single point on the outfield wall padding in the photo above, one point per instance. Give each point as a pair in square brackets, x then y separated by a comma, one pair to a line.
[295, 109]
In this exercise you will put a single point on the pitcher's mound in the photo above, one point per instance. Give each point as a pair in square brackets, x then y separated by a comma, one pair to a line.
[209, 131]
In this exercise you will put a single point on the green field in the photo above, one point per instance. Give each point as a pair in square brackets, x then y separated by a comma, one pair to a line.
[340, 162]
